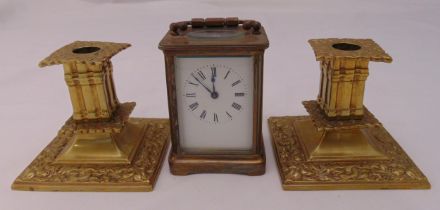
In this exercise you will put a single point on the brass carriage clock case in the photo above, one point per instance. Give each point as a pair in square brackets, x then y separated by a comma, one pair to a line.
[341, 145]
[99, 148]
[210, 37]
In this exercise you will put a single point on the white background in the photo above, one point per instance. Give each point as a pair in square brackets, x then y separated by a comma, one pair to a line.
[403, 95]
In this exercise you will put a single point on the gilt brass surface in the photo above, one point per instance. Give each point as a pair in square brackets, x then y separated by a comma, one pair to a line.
[325, 139]
[321, 121]
[88, 73]
[140, 175]
[91, 144]
[344, 71]
[100, 148]
[336, 145]
[341, 145]
[297, 172]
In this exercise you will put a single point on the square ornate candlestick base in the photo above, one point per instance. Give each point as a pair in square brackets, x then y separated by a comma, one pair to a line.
[388, 166]
[140, 175]
[341, 145]
[99, 148]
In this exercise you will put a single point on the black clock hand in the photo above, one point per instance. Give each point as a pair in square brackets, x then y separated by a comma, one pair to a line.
[201, 83]
[214, 93]
[213, 86]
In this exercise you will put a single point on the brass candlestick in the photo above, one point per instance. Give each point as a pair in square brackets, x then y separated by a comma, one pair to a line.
[99, 148]
[341, 145]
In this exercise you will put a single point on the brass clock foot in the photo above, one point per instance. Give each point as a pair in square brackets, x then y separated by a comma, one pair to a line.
[251, 165]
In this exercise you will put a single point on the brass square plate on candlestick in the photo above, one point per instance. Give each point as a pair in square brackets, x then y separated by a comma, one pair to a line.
[341, 145]
[100, 148]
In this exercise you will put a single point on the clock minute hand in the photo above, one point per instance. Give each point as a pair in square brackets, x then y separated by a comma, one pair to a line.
[201, 83]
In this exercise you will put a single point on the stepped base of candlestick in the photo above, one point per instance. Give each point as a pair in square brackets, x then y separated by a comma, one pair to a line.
[138, 173]
[361, 158]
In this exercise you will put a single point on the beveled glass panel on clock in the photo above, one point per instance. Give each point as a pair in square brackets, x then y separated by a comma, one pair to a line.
[215, 103]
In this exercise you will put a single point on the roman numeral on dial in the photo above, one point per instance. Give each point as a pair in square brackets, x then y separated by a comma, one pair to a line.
[236, 106]
[239, 94]
[215, 117]
[192, 83]
[192, 95]
[203, 115]
[213, 71]
[229, 115]
[227, 73]
[194, 106]
[236, 83]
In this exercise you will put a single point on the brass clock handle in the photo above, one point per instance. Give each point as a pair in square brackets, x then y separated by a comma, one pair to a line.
[178, 27]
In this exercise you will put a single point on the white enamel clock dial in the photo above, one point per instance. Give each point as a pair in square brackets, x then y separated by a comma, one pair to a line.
[214, 102]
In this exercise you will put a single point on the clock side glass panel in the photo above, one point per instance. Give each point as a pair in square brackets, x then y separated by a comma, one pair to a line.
[215, 103]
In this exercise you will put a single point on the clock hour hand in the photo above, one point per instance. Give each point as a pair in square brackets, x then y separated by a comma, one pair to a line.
[214, 93]
[202, 84]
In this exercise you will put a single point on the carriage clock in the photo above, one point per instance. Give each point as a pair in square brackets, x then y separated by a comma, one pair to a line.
[214, 74]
